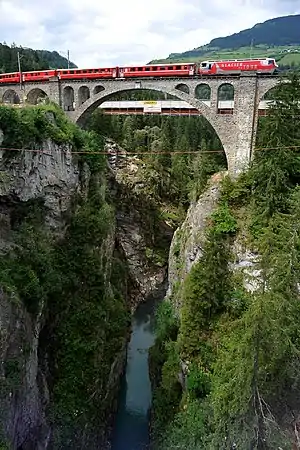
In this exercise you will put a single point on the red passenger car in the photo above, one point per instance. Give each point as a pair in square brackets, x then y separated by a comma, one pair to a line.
[10, 77]
[158, 70]
[44, 75]
[237, 66]
[87, 74]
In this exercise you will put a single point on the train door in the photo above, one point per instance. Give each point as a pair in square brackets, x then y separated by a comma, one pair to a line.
[121, 72]
[192, 70]
[114, 72]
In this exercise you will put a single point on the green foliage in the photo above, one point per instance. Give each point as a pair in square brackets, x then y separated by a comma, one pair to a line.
[198, 381]
[167, 397]
[188, 429]
[166, 322]
[28, 268]
[28, 128]
[223, 220]
[236, 192]
[89, 318]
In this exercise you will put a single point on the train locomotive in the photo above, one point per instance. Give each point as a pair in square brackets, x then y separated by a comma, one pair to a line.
[237, 67]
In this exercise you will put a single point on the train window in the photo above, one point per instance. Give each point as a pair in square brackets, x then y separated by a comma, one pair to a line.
[147, 69]
[162, 68]
[140, 69]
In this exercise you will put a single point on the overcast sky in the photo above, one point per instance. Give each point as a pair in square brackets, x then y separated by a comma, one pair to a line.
[115, 32]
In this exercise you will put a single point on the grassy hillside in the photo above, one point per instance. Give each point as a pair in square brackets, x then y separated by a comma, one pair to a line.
[30, 59]
[278, 38]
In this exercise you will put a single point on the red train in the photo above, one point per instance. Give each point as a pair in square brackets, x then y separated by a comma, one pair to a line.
[205, 68]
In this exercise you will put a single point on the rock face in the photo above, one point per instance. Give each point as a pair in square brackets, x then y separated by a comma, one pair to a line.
[133, 234]
[52, 177]
[23, 385]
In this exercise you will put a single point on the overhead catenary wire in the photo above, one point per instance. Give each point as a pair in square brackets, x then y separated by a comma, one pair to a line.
[133, 153]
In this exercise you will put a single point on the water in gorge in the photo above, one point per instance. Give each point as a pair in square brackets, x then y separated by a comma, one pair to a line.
[131, 431]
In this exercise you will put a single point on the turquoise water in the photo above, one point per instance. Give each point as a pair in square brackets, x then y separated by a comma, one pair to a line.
[131, 431]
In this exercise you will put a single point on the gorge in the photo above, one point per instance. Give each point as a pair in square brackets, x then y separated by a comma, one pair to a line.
[87, 238]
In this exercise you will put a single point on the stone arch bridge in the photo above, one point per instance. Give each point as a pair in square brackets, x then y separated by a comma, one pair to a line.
[237, 131]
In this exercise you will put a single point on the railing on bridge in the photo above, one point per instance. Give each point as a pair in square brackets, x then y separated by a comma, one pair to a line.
[170, 107]
[162, 107]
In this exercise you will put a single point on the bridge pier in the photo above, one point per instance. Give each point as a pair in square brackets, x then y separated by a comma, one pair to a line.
[238, 131]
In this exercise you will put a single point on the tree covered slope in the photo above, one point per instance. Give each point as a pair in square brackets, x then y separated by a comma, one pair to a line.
[31, 59]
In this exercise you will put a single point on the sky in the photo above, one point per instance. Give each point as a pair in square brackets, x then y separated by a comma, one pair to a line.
[107, 33]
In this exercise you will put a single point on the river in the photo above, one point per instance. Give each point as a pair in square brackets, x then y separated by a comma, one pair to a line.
[131, 430]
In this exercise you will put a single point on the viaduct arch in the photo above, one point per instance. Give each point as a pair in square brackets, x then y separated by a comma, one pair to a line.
[81, 114]
[237, 131]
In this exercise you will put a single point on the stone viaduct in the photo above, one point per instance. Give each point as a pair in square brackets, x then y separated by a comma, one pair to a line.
[237, 131]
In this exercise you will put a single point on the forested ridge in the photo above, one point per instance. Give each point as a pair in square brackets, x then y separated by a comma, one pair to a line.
[30, 59]
[240, 347]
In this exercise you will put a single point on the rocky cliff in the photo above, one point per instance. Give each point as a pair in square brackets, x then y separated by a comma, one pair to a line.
[142, 236]
[188, 241]
[52, 177]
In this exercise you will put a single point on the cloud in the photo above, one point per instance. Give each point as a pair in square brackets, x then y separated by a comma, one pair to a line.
[116, 32]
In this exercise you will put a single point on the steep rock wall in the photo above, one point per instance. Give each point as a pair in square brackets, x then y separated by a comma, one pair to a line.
[139, 237]
[52, 177]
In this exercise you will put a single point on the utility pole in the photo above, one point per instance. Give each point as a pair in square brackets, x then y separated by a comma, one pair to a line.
[251, 48]
[68, 59]
[20, 72]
